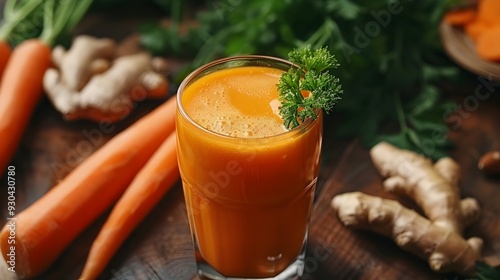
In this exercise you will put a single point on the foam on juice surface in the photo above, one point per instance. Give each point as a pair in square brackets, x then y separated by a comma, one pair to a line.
[237, 102]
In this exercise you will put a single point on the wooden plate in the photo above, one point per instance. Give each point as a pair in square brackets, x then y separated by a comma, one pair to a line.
[462, 50]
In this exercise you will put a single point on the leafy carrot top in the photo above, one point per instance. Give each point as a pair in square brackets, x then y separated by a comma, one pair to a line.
[312, 75]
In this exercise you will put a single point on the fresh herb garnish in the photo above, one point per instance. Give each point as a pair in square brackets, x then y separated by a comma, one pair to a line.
[313, 77]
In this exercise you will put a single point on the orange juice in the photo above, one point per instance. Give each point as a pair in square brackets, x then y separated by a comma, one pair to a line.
[248, 182]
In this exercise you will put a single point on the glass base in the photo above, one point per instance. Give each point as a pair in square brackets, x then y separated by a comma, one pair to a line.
[293, 271]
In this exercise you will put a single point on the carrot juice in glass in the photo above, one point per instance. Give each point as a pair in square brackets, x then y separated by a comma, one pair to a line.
[248, 181]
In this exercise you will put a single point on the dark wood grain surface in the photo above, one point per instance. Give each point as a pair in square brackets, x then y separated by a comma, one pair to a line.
[160, 248]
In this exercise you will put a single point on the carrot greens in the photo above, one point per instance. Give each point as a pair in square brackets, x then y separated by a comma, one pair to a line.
[61, 18]
[14, 14]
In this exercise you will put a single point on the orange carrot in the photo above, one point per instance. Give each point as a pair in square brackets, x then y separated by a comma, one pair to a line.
[482, 25]
[20, 91]
[488, 44]
[13, 16]
[474, 29]
[484, 30]
[148, 187]
[50, 224]
[22, 80]
[4, 55]
[460, 17]
[488, 11]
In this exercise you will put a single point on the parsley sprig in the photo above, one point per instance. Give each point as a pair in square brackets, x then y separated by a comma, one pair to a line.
[312, 76]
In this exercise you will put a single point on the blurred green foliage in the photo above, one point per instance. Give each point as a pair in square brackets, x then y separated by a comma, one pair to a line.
[389, 51]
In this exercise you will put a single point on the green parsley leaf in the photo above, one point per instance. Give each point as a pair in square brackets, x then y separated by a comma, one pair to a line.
[313, 76]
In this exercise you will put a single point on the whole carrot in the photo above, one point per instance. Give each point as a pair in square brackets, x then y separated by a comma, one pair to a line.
[22, 80]
[20, 91]
[148, 187]
[50, 224]
[14, 14]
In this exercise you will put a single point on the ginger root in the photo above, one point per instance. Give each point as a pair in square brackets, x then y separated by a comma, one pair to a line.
[87, 56]
[432, 186]
[444, 249]
[90, 82]
[437, 237]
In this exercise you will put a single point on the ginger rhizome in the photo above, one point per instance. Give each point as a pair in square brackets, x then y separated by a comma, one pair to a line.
[90, 81]
[437, 237]
[434, 187]
[445, 250]
[87, 56]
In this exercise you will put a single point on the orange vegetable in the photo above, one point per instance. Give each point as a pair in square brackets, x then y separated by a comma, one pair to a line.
[13, 16]
[460, 17]
[488, 44]
[482, 25]
[475, 29]
[4, 55]
[148, 187]
[489, 11]
[50, 224]
[20, 91]
[22, 80]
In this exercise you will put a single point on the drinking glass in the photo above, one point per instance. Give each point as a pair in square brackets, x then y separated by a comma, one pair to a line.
[248, 199]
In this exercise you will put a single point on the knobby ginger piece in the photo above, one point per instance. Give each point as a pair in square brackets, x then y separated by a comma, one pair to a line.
[469, 207]
[437, 237]
[109, 93]
[86, 57]
[432, 186]
[444, 249]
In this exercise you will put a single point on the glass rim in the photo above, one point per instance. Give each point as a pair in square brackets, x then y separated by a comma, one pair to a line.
[190, 78]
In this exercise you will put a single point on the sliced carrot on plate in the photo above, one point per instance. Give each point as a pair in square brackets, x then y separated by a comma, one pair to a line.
[460, 17]
[488, 44]
[489, 11]
[476, 28]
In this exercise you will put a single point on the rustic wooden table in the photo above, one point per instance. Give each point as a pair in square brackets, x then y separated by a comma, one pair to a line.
[160, 248]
